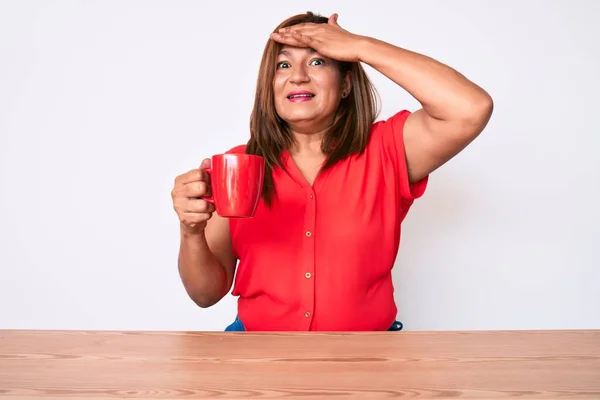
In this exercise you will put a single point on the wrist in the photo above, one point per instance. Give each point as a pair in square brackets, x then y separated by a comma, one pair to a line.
[375, 52]
[191, 233]
[366, 46]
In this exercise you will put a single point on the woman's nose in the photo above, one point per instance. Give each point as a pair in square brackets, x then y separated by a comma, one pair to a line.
[299, 75]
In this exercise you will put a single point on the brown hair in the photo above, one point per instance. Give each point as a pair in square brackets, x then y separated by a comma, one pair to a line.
[269, 134]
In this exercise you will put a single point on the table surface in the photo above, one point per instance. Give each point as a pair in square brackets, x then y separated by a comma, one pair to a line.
[231, 365]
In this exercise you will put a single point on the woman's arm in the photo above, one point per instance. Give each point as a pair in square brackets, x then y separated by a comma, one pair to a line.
[455, 110]
[206, 262]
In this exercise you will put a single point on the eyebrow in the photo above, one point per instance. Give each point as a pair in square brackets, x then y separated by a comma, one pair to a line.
[287, 53]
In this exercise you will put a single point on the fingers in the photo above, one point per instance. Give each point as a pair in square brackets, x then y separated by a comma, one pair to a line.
[196, 189]
[304, 29]
[294, 27]
[194, 221]
[206, 163]
[306, 40]
[193, 184]
[187, 194]
[301, 27]
[194, 175]
[191, 176]
[197, 206]
[294, 39]
[193, 211]
[311, 26]
[188, 198]
[287, 38]
[302, 37]
[333, 19]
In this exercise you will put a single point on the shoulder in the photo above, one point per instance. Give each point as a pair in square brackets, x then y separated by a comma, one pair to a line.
[387, 144]
[388, 133]
[391, 125]
[240, 149]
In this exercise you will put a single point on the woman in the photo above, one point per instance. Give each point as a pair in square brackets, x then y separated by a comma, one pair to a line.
[319, 252]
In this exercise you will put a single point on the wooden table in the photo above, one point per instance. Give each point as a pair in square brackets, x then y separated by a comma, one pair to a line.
[186, 365]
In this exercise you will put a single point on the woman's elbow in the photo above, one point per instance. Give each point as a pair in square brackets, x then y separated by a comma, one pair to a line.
[476, 114]
[203, 301]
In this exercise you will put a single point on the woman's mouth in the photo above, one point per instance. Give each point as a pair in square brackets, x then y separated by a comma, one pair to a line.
[300, 95]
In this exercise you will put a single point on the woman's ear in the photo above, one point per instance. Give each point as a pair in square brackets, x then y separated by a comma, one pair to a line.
[346, 85]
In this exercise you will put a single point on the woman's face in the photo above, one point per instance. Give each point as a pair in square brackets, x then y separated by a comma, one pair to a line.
[307, 88]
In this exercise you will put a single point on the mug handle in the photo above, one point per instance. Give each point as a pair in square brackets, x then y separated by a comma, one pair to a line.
[209, 199]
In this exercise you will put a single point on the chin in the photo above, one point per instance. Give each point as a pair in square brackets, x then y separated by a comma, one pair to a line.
[295, 116]
[294, 119]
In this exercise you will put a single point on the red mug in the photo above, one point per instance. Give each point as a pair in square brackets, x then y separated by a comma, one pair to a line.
[236, 182]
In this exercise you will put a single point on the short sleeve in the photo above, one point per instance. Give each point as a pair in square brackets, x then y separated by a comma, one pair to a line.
[392, 136]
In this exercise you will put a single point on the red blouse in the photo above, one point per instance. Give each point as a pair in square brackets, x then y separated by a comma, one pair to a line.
[321, 257]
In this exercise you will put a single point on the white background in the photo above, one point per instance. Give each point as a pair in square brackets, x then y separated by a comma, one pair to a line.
[103, 103]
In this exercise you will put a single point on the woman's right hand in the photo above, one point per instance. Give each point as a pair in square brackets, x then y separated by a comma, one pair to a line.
[192, 210]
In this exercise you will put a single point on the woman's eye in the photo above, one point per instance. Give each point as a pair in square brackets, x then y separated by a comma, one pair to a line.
[317, 61]
[283, 64]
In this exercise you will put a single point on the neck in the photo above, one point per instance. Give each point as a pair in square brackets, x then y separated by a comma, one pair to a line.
[307, 142]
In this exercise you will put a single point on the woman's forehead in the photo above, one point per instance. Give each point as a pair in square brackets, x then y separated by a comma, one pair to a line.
[288, 50]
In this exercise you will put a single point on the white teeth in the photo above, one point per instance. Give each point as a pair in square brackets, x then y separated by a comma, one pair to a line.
[300, 95]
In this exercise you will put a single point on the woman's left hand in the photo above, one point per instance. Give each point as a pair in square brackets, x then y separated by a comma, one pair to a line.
[329, 39]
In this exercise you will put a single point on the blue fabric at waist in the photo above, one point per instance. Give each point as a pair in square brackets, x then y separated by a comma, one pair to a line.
[237, 326]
